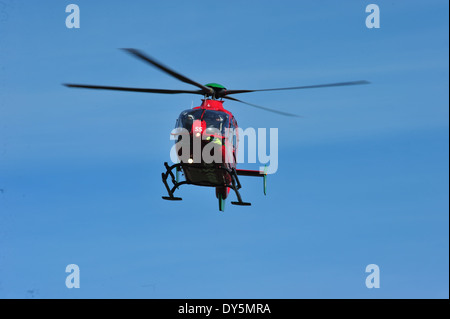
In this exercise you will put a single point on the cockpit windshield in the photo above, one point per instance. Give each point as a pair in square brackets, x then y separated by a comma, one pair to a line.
[186, 118]
[214, 120]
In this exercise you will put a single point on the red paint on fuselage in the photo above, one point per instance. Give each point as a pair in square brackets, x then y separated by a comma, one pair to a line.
[213, 105]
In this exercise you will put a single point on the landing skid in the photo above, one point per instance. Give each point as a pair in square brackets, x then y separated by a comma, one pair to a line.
[235, 184]
[241, 203]
[171, 198]
[174, 181]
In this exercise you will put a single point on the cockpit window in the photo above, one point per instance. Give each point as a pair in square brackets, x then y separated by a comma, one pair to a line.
[216, 120]
[187, 117]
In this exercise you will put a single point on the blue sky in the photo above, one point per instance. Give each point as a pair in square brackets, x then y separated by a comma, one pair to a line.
[362, 177]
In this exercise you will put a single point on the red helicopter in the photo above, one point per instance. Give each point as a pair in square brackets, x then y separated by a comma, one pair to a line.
[211, 127]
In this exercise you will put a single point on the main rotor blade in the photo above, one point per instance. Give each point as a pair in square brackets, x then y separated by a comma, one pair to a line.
[165, 69]
[228, 92]
[143, 90]
[262, 107]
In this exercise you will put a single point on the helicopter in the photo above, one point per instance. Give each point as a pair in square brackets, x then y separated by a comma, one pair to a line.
[210, 127]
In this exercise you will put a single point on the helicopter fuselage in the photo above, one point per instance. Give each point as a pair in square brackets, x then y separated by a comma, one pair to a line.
[207, 145]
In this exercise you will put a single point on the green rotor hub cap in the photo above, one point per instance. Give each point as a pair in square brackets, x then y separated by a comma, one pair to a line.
[215, 86]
